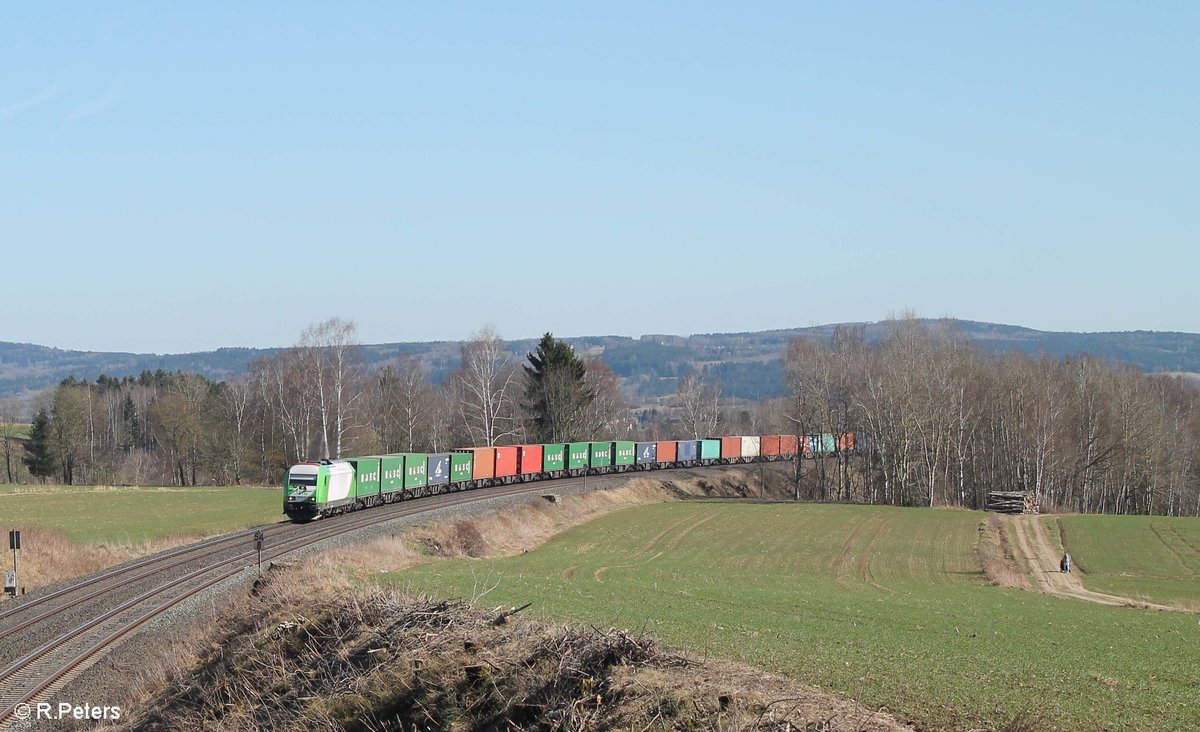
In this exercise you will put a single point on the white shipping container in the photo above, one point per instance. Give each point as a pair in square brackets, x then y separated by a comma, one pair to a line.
[750, 446]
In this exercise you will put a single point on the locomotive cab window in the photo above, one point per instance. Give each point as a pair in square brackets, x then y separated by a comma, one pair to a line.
[303, 480]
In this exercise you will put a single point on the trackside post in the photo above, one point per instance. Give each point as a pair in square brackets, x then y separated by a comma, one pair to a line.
[259, 537]
[10, 578]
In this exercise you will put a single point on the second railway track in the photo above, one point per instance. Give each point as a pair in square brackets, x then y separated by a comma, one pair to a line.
[54, 637]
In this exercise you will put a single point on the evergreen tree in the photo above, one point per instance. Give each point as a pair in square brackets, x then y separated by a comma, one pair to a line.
[39, 455]
[556, 394]
[133, 424]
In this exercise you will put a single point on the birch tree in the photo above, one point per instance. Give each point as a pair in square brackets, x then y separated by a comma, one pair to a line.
[483, 389]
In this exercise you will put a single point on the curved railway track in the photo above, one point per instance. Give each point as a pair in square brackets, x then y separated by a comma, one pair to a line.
[56, 649]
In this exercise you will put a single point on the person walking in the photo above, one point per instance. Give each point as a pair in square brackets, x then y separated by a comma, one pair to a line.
[1066, 562]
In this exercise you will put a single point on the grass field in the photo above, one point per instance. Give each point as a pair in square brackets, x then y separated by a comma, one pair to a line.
[884, 605]
[1153, 558]
[91, 514]
[21, 431]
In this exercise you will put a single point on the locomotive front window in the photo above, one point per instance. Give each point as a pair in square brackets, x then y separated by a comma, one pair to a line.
[303, 480]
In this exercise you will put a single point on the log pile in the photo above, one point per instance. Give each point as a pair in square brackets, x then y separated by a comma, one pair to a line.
[1011, 502]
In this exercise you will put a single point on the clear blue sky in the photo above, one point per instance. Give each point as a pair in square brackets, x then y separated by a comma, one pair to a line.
[178, 177]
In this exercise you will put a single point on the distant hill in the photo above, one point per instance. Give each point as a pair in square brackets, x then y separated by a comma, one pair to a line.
[748, 365]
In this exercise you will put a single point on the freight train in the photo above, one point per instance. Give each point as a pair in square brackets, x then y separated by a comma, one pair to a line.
[330, 487]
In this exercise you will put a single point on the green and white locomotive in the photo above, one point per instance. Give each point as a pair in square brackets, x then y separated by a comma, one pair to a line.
[317, 489]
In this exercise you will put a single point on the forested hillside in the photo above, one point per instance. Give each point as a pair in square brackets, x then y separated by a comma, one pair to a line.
[748, 365]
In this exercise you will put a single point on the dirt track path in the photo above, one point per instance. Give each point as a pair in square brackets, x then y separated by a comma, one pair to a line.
[1033, 545]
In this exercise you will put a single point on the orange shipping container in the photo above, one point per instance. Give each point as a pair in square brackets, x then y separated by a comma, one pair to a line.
[789, 445]
[731, 447]
[483, 460]
[666, 452]
[846, 442]
[506, 461]
[770, 444]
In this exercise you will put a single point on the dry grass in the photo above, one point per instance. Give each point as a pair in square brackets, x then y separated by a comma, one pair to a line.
[521, 528]
[307, 651]
[48, 557]
[996, 555]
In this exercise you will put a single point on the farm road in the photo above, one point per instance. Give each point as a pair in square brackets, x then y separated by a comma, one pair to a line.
[1035, 548]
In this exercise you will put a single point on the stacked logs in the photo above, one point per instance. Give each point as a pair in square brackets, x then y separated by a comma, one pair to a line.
[1011, 502]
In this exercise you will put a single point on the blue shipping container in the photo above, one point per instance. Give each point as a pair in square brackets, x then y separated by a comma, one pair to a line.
[647, 452]
[438, 469]
[687, 450]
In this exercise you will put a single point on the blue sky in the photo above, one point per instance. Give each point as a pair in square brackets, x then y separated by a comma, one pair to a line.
[182, 177]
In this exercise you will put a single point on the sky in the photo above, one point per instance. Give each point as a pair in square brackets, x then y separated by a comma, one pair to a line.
[184, 176]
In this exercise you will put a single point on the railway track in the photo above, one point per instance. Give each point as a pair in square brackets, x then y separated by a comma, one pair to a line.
[44, 666]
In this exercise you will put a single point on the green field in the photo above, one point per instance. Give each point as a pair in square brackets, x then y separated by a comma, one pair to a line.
[884, 605]
[21, 430]
[1153, 558]
[90, 514]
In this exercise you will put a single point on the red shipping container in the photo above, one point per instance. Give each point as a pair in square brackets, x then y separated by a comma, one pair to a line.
[731, 447]
[506, 461]
[665, 452]
[806, 444]
[529, 459]
[769, 445]
[789, 445]
[483, 461]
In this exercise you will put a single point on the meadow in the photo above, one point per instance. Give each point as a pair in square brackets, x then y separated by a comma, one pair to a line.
[92, 514]
[1152, 558]
[884, 605]
[19, 430]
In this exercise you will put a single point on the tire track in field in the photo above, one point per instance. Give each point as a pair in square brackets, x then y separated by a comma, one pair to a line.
[1179, 557]
[1033, 545]
[649, 545]
[840, 566]
[864, 563]
[598, 574]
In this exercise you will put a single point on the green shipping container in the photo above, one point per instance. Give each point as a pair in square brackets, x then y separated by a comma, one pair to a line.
[577, 455]
[827, 443]
[554, 457]
[460, 467]
[602, 454]
[366, 476]
[624, 453]
[393, 472]
[710, 449]
[415, 465]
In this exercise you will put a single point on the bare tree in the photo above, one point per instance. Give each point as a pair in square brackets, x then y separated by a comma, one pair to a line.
[329, 352]
[237, 396]
[607, 414]
[483, 389]
[698, 404]
[404, 410]
[10, 415]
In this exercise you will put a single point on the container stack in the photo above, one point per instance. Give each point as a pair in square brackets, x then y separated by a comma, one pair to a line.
[1011, 502]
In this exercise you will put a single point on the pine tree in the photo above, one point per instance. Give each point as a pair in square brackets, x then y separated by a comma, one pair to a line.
[556, 393]
[133, 424]
[39, 455]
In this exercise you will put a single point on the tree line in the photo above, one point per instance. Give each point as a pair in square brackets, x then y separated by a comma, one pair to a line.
[943, 424]
[937, 421]
[314, 400]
